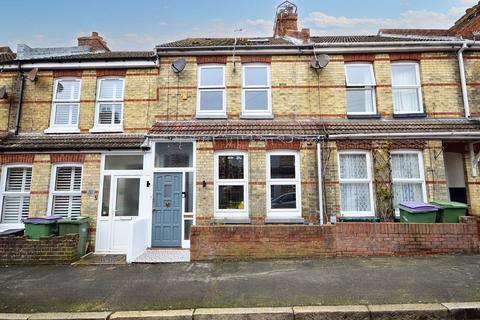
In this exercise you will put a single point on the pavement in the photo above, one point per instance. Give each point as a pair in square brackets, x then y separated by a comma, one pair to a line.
[272, 283]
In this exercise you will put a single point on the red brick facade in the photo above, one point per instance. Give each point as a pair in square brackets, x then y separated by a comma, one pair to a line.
[343, 239]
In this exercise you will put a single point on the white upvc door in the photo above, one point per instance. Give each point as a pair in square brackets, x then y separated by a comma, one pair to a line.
[122, 203]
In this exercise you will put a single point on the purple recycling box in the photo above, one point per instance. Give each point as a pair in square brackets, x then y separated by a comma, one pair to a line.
[42, 219]
[418, 206]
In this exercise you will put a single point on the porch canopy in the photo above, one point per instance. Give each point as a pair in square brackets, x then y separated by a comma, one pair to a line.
[316, 129]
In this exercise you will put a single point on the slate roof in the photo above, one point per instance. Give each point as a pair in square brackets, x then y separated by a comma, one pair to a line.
[272, 41]
[112, 55]
[264, 128]
[419, 32]
[44, 142]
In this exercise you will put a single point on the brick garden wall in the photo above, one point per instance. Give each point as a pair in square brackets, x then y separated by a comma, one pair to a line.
[343, 239]
[48, 250]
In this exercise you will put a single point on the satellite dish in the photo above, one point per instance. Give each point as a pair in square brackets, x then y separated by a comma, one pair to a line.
[320, 62]
[32, 74]
[3, 92]
[179, 65]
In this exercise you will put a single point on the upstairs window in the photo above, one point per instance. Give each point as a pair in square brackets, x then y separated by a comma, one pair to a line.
[256, 90]
[17, 183]
[211, 99]
[360, 89]
[66, 194]
[407, 93]
[66, 105]
[110, 96]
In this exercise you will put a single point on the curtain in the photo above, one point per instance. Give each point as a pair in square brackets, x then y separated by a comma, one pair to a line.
[355, 197]
[407, 192]
[353, 166]
[405, 99]
[405, 166]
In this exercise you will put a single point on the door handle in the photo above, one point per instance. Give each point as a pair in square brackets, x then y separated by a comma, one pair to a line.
[184, 195]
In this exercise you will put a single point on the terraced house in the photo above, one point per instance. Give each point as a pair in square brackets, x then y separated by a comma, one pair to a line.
[285, 129]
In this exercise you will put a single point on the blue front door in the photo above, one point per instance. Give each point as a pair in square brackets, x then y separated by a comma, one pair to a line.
[167, 210]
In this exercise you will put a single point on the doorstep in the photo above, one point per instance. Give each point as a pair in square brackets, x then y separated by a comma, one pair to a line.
[162, 255]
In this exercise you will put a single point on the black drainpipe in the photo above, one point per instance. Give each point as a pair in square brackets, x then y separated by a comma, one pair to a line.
[20, 101]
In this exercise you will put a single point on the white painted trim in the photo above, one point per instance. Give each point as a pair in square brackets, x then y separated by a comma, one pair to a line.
[284, 213]
[85, 65]
[320, 183]
[417, 86]
[267, 87]
[52, 191]
[113, 127]
[231, 213]
[3, 192]
[368, 180]
[222, 88]
[420, 180]
[70, 128]
[361, 87]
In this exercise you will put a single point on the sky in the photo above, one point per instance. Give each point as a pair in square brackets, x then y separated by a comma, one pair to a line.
[141, 24]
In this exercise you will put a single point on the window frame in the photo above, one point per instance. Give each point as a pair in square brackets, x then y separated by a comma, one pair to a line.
[362, 87]
[284, 213]
[267, 88]
[52, 192]
[64, 128]
[4, 193]
[421, 168]
[418, 86]
[231, 213]
[200, 89]
[112, 127]
[368, 180]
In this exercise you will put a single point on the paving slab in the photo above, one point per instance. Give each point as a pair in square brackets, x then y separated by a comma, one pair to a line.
[14, 316]
[244, 314]
[463, 310]
[71, 316]
[153, 315]
[408, 312]
[332, 313]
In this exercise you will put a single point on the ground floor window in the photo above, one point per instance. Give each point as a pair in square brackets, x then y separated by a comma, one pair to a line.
[408, 176]
[17, 181]
[283, 184]
[355, 177]
[231, 184]
[66, 194]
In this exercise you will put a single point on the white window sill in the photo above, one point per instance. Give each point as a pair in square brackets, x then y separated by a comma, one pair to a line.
[256, 116]
[231, 220]
[358, 215]
[106, 129]
[10, 226]
[62, 130]
[283, 220]
[211, 116]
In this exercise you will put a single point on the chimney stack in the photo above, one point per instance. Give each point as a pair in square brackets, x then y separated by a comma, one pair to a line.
[96, 42]
[286, 23]
[469, 23]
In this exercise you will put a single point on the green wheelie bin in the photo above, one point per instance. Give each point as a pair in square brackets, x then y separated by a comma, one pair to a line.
[37, 227]
[450, 211]
[417, 212]
[76, 225]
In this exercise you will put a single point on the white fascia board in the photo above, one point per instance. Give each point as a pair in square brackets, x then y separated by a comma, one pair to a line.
[84, 65]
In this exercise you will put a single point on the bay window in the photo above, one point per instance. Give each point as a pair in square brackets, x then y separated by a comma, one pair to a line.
[283, 184]
[231, 185]
[408, 177]
[355, 178]
[16, 185]
[211, 95]
[65, 195]
[109, 109]
[256, 90]
[65, 106]
[407, 93]
[360, 89]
